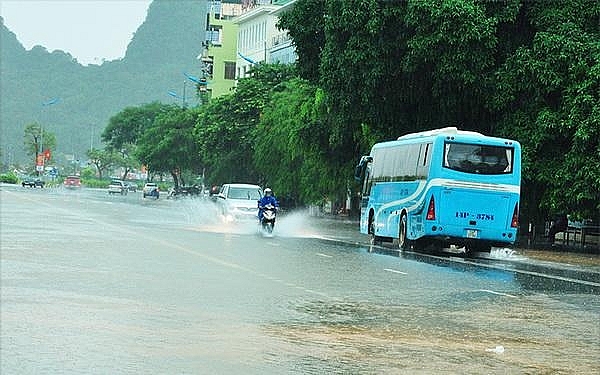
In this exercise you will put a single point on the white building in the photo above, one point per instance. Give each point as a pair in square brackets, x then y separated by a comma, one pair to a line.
[259, 39]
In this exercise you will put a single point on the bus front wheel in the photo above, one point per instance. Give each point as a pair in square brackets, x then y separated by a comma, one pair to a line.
[403, 242]
[373, 240]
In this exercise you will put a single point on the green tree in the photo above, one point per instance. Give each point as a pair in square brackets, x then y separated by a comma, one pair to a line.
[305, 26]
[292, 147]
[389, 68]
[124, 131]
[549, 97]
[126, 158]
[168, 145]
[103, 160]
[33, 136]
[524, 70]
[452, 52]
[400, 67]
[280, 150]
[225, 127]
[223, 132]
[128, 125]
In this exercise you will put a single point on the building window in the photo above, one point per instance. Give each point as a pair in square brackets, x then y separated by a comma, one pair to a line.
[229, 70]
[214, 34]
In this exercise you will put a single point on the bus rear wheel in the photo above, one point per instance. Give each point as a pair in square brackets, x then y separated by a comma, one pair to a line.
[403, 242]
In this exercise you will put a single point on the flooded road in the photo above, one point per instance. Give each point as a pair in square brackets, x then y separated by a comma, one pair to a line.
[123, 285]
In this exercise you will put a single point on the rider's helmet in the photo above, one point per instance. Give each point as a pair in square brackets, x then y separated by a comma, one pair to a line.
[268, 192]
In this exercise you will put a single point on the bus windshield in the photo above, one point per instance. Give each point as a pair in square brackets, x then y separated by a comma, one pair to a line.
[478, 159]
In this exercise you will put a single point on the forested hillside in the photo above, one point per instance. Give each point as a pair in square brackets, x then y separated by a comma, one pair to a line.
[163, 47]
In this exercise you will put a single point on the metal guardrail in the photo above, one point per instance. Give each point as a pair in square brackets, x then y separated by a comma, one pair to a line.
[582, 236]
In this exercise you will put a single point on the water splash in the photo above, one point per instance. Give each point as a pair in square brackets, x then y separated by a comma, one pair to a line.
[499, 349]
[295, 224]
[504, 253]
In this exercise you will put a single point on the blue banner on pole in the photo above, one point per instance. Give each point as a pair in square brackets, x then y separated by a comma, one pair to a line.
[247, 59]
[194, 79]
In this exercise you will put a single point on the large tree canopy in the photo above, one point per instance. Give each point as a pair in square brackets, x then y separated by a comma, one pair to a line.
[168, 144]
[225, 128]
[103, 160]
[526, 70]
[549, 97]
[129, 124]
[289, 144]
[305, 26]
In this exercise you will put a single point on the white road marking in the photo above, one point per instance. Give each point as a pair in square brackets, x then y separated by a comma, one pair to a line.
[395, 271]
[497, 293]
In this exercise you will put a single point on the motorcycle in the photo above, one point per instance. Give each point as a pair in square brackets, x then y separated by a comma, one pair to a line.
[267, 222]
[185, 191]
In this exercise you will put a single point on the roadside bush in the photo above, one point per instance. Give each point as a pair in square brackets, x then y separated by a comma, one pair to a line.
[164, 187]
[87, 173]
[9, 178]
[95, 183]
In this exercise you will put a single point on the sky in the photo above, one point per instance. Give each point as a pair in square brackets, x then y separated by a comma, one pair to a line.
[90, 30]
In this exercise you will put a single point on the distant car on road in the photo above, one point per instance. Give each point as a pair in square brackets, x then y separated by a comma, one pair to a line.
[72, 182]
[32, 182]
[151, 189]
[117, 187]
[131, 186]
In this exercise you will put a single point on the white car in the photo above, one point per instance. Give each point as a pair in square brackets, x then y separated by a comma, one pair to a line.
[151, 189]
[239, 201]
[117, 187]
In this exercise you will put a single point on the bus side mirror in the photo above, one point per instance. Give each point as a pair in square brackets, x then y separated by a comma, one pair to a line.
[359, 172]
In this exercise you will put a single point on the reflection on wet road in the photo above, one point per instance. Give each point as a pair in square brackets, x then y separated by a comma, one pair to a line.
[99, 284]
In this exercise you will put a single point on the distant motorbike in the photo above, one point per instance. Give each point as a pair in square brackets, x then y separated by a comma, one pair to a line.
[267, 222]
[185, 191]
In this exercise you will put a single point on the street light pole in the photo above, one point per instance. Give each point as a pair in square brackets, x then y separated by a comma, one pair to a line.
[176, 96]
[196, 80]
[92, 137]
[200, 82]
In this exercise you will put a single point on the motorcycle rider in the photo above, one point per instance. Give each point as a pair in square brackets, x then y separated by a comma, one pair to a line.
[268, 198]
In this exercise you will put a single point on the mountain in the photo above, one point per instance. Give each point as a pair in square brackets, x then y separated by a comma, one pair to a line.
[164, 46]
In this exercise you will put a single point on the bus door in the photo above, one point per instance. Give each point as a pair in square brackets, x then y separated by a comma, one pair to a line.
[362, 174]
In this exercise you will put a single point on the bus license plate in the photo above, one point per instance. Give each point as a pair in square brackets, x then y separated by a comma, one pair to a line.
[471, 233]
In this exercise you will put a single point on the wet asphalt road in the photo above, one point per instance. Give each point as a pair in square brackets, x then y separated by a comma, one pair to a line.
[92, 283]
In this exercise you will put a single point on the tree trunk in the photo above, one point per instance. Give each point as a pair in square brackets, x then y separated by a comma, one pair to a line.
[175, 178]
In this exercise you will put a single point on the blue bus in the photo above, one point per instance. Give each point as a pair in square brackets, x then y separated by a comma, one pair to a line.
[441, 187]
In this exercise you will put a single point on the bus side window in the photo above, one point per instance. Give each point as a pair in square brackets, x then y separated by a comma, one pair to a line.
[508, 160]
[422, 164]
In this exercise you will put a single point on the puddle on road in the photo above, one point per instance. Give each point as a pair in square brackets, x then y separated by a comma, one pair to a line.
[372, 338]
